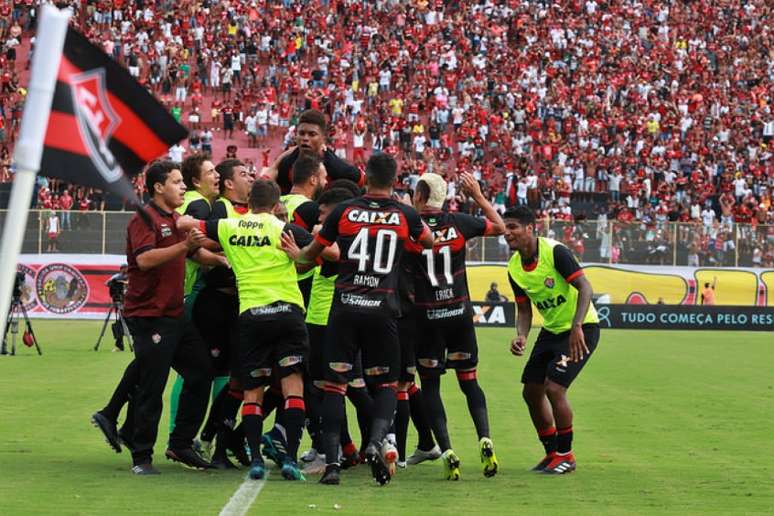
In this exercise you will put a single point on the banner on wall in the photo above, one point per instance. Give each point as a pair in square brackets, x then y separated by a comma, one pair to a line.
[681, 317]
[67, 286]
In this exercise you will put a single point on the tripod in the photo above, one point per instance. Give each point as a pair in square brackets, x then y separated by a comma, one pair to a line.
[15, 313]
[117, 311]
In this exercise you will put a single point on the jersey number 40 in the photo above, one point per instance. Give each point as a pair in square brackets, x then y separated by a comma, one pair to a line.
[383, 246]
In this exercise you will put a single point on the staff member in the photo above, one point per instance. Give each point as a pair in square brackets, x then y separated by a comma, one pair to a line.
[156, 251]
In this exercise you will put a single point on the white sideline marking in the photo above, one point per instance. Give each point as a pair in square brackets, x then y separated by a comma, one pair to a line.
[243, 498]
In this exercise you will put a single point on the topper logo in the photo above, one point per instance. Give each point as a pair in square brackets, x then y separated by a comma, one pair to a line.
[96, 120]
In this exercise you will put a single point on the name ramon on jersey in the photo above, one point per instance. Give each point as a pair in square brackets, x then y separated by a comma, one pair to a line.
[374, 217]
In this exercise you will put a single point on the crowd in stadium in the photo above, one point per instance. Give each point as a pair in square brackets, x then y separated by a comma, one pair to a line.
[642, 111]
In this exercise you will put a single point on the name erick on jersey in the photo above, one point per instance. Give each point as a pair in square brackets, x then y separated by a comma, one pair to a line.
[371, 233]
[441, 286]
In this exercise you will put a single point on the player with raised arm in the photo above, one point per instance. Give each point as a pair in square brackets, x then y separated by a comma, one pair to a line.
[544, 272]
[371, 232]
[446, 335]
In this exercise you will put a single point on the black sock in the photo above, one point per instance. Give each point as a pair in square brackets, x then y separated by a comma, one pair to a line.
[293, 420]
[230, 407]
[564, 440]
[384, 410]
[548, 438]
[476, 401]
[401, 423]
[332, 416]
[419, 418]
[123, 390]
[431, 386]
[364, 407]
[313, 399]
[252, 419]
[344, 437]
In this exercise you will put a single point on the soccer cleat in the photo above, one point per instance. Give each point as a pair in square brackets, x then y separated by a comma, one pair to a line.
[310, 455]
[420, 456]
[291, 471]
[561, 464]
[220, 461]
[203, 448]
[257, 469]
[108, 429]
[379, 469]
[273, 447]
[145, 469]
[332, 476]
[540, 466]
[401, 464]
[235, 443]
[488, 457]
[350, 457]
[451, 465]
[188, 457]
[315, 467]
[389, 452]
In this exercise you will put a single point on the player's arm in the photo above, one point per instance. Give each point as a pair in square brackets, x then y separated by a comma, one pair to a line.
[206, 257]
[418, 230]
[194, 218]
[272, 171]
[572, 273]
[150, 258]
[523, 318]
[470, 186]
[325, 238]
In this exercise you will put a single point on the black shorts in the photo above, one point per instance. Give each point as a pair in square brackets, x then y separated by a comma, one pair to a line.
[449, 344]
[272, 337]
[215, 314]
[375, 336]
[407, 335]
[550, 357]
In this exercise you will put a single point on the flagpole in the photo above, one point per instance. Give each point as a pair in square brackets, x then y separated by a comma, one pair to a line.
[49, 41]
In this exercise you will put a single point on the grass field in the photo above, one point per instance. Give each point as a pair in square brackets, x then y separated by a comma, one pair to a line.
[666, 422]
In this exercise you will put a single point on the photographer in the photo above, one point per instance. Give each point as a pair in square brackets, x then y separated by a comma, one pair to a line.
[156, 252]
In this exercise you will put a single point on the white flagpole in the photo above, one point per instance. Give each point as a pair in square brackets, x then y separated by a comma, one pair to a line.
[49, 41]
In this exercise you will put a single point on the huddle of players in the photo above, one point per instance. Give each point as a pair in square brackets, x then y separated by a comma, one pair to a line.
[350, 297]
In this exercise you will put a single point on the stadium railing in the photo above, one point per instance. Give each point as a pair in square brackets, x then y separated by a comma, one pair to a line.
[636, 243]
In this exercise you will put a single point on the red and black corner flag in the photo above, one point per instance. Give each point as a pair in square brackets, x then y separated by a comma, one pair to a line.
[103, 125]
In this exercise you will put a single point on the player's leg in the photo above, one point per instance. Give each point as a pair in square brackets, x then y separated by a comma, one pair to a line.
[313, 397]
[559, 376]
[406, 336]
[192, 362]
[106, 419]
[426, 448]
[340, 350]
[254, 374]
[462, 355]
[360, 397]
[431, 366]
[381, 363]
[291, 349]
[534, 394]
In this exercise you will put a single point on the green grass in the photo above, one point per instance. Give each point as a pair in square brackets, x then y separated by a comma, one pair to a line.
[666, 422]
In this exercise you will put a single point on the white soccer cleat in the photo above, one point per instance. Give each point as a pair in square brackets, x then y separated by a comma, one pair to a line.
[420, 456]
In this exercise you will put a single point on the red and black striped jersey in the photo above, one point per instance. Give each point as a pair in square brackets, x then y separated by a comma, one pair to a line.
[441, 286]
[371, 233]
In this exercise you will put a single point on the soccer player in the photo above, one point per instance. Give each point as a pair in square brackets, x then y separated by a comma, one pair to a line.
[156, 252]
[272, 333]
[215, 312]
[545, 272]
[309, 178]
[310, 136]
[202, 188]
[446, 335]
[371, 232]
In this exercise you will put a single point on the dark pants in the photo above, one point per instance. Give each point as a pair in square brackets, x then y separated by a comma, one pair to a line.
[161, 343]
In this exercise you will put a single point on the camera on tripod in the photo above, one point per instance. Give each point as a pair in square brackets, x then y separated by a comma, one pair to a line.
[18, 285]
[117, 287]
